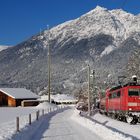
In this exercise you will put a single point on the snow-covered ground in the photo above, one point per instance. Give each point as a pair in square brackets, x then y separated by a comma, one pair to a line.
[123, 128]
[59, 126]
[64, 123]
[8, 118]
[10, 113]
[46, 105]
[108, 128]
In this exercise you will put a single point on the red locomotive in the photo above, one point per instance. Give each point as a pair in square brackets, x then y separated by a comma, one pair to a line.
[122, 102]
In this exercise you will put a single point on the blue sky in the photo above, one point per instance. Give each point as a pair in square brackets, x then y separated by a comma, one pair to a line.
[20, 19]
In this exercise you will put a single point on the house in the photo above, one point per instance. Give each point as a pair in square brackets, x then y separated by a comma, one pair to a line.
[14, 96]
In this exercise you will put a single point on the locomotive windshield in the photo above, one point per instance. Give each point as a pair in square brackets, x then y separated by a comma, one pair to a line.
[134, 92]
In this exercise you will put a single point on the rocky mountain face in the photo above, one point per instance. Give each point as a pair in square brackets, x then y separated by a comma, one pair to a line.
[133, 66]
[101, 38]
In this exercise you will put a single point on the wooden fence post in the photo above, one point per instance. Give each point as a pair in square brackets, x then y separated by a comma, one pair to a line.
[37, 115]
[43, 112]
[29, 119]
[17, 124]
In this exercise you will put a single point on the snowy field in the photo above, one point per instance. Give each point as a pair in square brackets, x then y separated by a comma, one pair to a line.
[8, 118]
[10, 113]
[65, 123]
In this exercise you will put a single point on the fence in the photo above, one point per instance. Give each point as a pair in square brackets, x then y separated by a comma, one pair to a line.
[36, 117]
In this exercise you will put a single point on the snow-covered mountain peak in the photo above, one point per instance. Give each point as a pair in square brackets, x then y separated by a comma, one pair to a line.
[97, 11]
[120, 11]
[99, 8]
[2, 47]
[116, 23]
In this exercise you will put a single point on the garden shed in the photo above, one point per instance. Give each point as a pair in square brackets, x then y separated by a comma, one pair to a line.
[14, 96]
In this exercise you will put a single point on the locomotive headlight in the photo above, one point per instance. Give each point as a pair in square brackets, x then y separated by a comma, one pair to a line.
[130, 108]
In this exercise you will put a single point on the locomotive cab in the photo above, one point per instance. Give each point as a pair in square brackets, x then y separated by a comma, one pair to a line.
[123, 102]
[133, 104]
[133, 91]
[134, 99]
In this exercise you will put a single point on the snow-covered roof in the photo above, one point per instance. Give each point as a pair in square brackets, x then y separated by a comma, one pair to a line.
[19, 93]
[60, 98]
[63, 98]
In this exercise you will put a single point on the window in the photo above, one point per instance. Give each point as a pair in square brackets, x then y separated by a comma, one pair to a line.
[118, 94]
[134, 92]
[115, 95]
[110, 96]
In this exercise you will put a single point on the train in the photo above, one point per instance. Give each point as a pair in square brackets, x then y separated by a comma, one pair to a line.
[122, 102]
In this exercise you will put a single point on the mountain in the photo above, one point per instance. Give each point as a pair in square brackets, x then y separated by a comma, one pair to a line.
[104, 39]
[133, 66]
[2, 47]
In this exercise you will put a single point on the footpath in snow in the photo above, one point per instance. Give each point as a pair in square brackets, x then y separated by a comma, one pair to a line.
[60, 126]
[66, 124]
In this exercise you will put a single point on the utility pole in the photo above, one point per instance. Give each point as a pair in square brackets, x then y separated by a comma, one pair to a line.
[89, 112]
[93, 87]
[49, 68]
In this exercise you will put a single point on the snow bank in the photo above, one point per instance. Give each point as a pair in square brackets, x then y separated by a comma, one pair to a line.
[122, 127]
[46, 105]
[99, 129]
